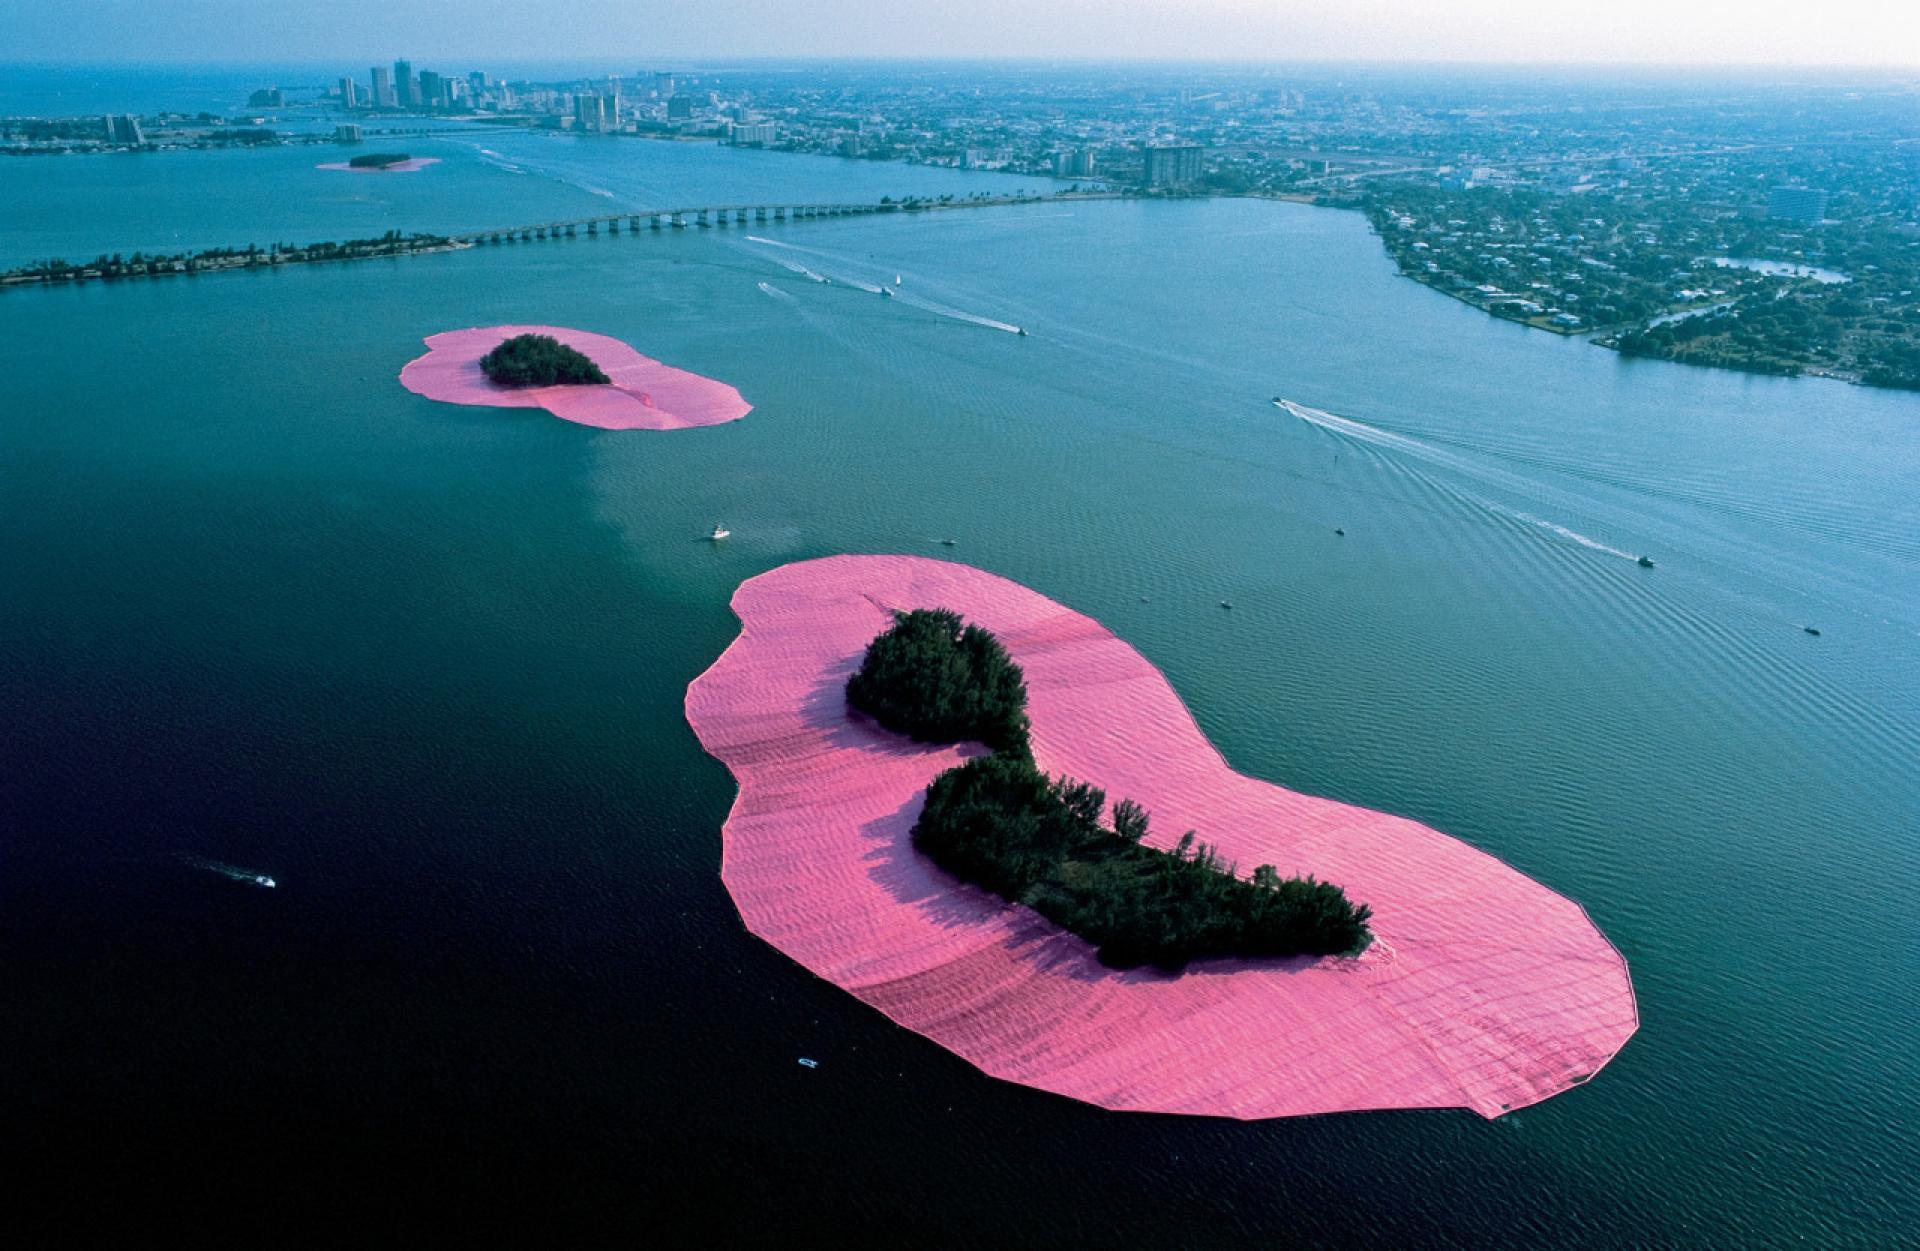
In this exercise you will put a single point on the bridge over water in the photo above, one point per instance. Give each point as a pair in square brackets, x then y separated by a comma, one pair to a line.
[709, 216]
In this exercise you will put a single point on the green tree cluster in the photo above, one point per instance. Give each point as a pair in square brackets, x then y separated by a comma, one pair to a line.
[378, 160]
[1001, 823]
[538, 360]
[936, 679]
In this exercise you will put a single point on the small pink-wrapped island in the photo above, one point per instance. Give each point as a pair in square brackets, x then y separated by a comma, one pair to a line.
[641, 394]
[411, 165]
[1482, 989]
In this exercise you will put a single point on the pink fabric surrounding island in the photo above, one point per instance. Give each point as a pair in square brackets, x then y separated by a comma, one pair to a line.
[407, 166]
[1483, 989]
[643, 394]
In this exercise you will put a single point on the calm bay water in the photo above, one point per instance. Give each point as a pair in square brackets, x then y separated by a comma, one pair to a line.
[425, 664]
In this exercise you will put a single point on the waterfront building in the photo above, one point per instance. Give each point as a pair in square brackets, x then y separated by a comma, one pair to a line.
[589, 111]
[432, 91]
[1170, 165]
[349, 94]
[762, 133]
[1800, 204]
[123, 128]
[1073, 162]
[347, 132]
[405, 86]
[679, 108]
[663, 86]
[383, 93]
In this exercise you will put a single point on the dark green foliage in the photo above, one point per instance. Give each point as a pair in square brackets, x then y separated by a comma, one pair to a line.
[999, 822]
[937, 680]
[378, 160]
[538, 360]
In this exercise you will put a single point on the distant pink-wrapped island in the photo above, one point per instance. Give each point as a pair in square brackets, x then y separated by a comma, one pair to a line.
[642, 393]
[408, 166]
[1482, 989]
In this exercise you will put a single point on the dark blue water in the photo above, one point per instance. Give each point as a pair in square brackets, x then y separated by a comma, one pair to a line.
[424, 664]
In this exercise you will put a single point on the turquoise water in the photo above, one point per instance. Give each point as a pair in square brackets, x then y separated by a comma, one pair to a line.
[424, 665]
[77, 207]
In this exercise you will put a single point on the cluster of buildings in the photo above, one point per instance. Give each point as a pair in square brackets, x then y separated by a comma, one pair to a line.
[651, 102]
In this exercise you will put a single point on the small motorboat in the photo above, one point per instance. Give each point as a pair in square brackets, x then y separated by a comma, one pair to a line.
[261, 879]
[887, 291]
[1645, 562]
[949, 542]
[1811, 630]
[719, 532]
[1226, 603]
[1342, 533]
[1022, 331]
[809, 1063]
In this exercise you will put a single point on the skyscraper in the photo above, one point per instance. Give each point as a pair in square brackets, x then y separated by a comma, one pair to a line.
[404, 85]
[383, 97]
[1170, 165]
[679, 108]
[432, 91]
[349, 94]
[123, 128]
[590, 111]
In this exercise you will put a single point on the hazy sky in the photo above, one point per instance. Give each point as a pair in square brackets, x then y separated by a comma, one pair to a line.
[455, 32]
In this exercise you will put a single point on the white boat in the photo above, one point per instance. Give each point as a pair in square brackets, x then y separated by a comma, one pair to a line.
[807, 1063]
[719, 532]
[896, 280]
[887, 291]
[261, 879]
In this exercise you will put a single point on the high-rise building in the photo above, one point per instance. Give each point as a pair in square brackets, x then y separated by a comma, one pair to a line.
[122, 128]
[1073, 163]
[1800, 204]
[1170, 165]
[349, 94]
[432, 91]
[589, 111]
[679, 108]
[348, 132]
[383, 93]
[663, 86]
[761, 133]
[404, 84]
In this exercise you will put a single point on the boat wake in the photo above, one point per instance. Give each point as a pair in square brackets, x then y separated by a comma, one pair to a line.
[883, 285]
[232, 872]
[1410, 446]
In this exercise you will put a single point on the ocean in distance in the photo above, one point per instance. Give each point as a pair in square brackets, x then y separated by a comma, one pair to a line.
[424, 665]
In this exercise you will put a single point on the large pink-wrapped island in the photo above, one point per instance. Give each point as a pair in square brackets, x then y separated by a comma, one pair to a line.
[1483, 989]
[641, 394]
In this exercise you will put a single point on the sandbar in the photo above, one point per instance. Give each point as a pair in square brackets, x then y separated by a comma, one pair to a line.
[643, 393]
[1483, 989]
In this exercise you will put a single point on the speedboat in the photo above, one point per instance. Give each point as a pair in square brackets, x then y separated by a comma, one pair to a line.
[1645, 562]
[807, 1062]
[261, 879]
[1022, 330]
[1811, 630]
[948, 542]
[887, 291]
[719, 532]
